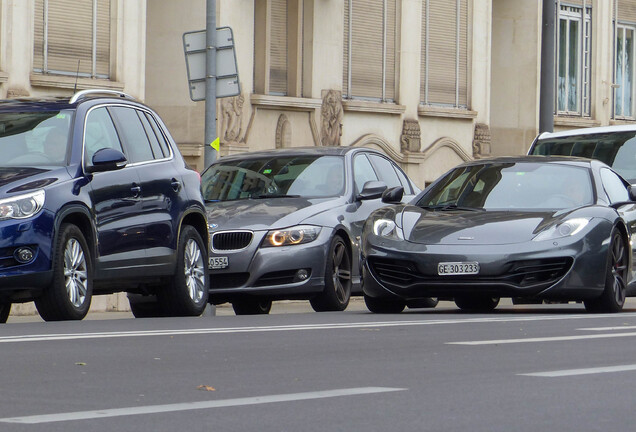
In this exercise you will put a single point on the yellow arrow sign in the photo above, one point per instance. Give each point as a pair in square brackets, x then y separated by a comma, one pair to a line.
[216, 144]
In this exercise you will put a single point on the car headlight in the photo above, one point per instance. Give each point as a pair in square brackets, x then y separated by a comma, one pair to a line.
[563, 229]
[22, 206]
[291, 236]
[386, 228]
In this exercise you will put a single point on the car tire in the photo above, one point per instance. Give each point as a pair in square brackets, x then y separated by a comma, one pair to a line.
[613, 297]
[188, 291]
[252, 306]
[337, 291]
[477, 303]
[428, 302]
[68, 297]
[5, 309]
[145, 306]
[384, 305]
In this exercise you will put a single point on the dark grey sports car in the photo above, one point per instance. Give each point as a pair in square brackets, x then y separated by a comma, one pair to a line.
[529, 228]
[286, 224]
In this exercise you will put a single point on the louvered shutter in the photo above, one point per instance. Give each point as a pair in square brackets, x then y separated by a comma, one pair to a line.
[626, 11]
[278, 48]
[70, 37]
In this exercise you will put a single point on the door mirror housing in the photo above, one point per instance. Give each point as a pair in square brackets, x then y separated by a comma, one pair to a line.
[632, 192]
[393, 195]
[372, 190]
[107, 159]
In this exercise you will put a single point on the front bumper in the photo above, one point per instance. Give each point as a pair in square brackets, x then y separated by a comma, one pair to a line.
[271, 271]
[572, 269]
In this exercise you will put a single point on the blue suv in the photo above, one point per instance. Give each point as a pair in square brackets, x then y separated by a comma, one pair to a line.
[95, 198]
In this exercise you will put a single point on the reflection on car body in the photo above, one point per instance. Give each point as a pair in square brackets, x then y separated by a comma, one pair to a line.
[529, 228]
[285, 224]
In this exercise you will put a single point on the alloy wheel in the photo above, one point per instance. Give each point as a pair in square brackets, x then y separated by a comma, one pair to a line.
[341, 271]
[75, 272]
[618, 269]
[194, 270]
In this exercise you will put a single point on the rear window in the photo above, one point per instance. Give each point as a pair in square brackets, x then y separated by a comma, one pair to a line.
[616, 149]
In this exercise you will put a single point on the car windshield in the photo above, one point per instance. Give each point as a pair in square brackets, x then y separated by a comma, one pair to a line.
[34, 138]
[508, 186]
[269, 177]
[616, 149]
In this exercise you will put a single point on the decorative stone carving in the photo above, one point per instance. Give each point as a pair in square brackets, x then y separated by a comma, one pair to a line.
[481, 141]
[232, 115]
[16, 93]
[331, 118]
[283, 132]
[410, 139]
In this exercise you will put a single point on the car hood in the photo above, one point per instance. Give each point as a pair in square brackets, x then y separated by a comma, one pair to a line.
[15, 180]
[261, 214]
[454, 227]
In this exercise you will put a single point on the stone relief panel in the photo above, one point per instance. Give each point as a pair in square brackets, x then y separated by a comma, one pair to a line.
[410, 140]
[481, 141]
[283, 132]
[331, 118]
[232, 118]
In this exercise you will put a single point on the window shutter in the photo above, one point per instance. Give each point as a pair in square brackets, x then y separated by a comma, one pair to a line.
[102, 66]
[626, 11]
[278, 48]
[38, 36]
[345, 52]
[390, 50]
[442, 52]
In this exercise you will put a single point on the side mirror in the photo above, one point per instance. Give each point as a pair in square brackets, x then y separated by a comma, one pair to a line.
[372, 190]
[632, 192]
[107, 159]
[393, 195]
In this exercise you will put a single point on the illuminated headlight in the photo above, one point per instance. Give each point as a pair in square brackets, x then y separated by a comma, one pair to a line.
[386, 228]
[291, 236]
[21, 206]
[563, 229]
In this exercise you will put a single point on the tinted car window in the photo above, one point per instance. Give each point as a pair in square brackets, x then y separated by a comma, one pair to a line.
[157, 151]
[512, 186]
[362, 172]
[386, 171]
[135, 140]
[616, 149]
[160, 137]
[614, 186]
[99, 133]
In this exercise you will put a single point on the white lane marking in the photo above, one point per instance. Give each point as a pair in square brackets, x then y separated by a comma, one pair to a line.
[586, 371]
[608, 328]
[168, 332]
[544, 339]
[153, 409]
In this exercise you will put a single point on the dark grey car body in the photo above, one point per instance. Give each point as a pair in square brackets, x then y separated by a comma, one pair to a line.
[512, 262]
[269, 273]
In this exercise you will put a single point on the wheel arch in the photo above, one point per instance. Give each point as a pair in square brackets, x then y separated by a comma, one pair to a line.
[196, 219]
[80, 216]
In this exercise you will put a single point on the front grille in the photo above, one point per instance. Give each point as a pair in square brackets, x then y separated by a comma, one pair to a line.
[231, 240]
[521, 274]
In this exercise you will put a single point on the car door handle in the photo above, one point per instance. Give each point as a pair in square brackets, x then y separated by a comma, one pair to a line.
[136, 190]
[176, 185]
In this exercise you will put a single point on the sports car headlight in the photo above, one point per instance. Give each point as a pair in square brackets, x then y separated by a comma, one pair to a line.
[563, 229]
[21, 206]
[386, 228]
[292, 236]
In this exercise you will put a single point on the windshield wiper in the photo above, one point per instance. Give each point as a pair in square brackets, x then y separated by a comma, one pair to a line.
[263, 196]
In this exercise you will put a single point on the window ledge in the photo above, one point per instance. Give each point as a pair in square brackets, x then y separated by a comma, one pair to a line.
[433, 111]
[581, 122]
[68, 82]
[624, 121]
[373, 107]
[285, 102]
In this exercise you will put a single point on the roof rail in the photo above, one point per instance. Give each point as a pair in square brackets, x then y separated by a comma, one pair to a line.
[84, 93]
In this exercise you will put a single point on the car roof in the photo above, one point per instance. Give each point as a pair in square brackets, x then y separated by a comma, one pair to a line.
[589, 131]
[296, 151]
[567, 160]
[57, 103]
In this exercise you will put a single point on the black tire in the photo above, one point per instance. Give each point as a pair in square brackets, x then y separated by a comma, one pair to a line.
[252, 306]
[187, 294]
[613, 297]
[145, 306]
[428, 302]
[5, 309]
[477, 303]
[384, 305]
[337, 292]
[68, 297]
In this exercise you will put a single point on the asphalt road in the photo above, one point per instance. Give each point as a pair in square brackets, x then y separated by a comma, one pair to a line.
[532, 368]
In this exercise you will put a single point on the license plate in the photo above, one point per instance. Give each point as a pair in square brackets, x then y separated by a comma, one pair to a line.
[457, 268]
[217, 263]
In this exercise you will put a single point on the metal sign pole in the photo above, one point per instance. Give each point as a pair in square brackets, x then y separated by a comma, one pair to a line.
[210, 153]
